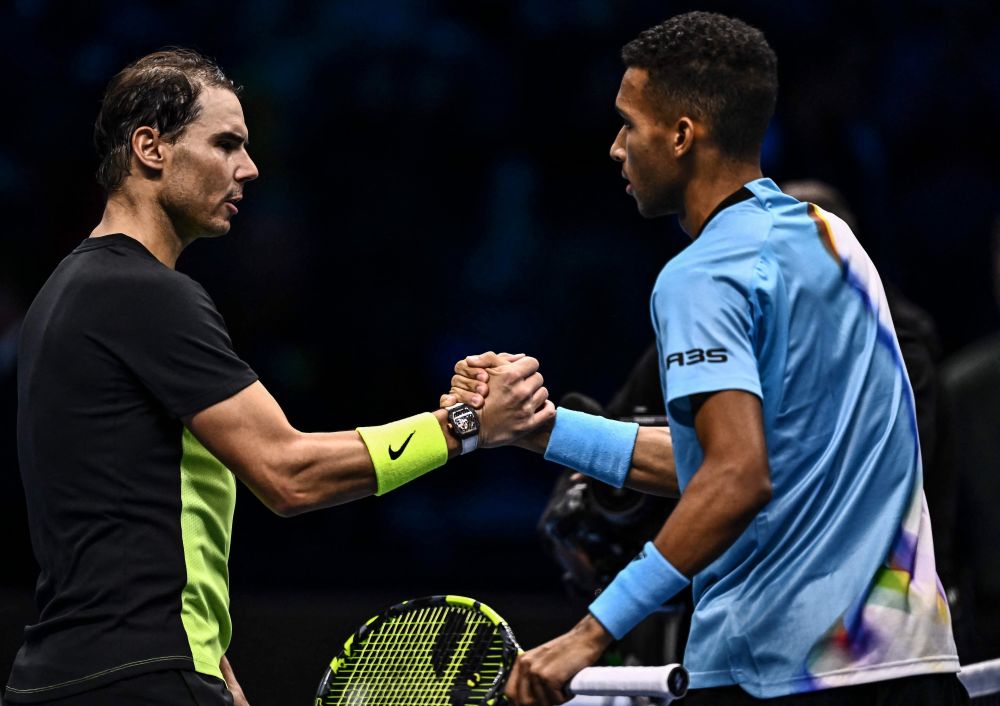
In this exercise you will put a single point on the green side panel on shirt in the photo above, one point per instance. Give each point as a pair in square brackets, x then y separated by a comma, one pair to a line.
[208, 499]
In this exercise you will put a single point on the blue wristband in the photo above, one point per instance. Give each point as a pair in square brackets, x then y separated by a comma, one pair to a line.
[601, 448]
[638, 590]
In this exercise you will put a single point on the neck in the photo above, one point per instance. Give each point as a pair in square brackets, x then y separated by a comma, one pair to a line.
[125, 213]
[708, 188]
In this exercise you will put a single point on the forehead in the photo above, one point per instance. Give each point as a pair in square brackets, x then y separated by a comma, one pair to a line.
[220, 112]
[637, 99]
[631, 93]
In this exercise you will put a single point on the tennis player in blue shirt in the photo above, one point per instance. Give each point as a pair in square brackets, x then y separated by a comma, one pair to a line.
[802, 523]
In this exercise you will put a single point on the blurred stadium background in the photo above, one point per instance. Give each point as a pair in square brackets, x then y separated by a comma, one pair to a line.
[435, 181]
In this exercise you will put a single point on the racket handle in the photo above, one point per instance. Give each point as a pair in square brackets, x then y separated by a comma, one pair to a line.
[602, 701]
[667, 682]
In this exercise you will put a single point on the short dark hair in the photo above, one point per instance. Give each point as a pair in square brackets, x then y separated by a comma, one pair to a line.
[159, 90]
[719, 68]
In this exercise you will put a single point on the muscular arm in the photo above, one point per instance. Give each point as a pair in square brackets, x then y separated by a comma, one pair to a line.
[290, 471]
[730, 487]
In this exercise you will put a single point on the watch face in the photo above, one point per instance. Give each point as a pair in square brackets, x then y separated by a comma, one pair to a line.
[465, 422]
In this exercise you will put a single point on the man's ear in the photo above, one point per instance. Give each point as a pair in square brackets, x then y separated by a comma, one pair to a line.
[683, 136]
[147, 148]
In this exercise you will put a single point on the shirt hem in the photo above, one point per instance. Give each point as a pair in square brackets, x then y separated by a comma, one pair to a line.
[745, 384]
[208, 669]
[98, 679]
[827, 680]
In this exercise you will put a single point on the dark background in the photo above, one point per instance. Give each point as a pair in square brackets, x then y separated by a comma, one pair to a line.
[434, 182]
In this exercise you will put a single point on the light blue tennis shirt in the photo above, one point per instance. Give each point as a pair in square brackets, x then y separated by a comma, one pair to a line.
[833, 583]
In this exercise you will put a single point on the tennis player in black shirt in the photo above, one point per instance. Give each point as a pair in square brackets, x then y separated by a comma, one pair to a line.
[133, 407]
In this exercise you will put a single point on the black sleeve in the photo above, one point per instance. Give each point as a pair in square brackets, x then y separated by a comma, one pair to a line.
[175, 342]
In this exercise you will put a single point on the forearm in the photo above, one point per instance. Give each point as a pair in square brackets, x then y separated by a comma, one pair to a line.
[712, 513]
[652, 468]
[716, 507]
[239, 698]
[317, 470]
[293, 472]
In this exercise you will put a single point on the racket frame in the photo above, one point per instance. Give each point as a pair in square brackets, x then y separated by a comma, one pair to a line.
[510, 650]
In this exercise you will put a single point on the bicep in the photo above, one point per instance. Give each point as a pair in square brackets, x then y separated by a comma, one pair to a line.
[245, 431]
[730, 429]
[290, 471]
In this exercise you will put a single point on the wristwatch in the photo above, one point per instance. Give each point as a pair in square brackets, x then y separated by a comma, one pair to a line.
[463, 422]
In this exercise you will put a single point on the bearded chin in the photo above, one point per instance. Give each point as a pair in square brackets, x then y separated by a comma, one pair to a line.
[665, 203]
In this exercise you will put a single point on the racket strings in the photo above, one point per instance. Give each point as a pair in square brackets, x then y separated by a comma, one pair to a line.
[425, 657]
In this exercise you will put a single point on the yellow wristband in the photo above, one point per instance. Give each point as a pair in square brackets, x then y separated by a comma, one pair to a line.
[404, 450]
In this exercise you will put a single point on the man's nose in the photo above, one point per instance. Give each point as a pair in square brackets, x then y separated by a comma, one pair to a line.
[247, 171]
[618, 147]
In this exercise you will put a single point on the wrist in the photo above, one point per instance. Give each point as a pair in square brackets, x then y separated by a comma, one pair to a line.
[406, 449]
[598, 447]
[638, 590]
[591, 632]
[464, 426]
[537, 440]
[454, 445]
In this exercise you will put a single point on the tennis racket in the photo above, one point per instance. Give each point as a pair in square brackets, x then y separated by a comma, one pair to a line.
[456, 651]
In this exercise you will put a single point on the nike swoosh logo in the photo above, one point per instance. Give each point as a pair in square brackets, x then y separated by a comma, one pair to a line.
[393, 455]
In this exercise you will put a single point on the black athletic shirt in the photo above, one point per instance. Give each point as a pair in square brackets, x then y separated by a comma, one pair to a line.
[130, 516]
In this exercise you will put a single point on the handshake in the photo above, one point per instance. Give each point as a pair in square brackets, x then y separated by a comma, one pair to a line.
[508, 393]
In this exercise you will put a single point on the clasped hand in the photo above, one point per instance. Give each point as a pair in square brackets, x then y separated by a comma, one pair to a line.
[508, 392]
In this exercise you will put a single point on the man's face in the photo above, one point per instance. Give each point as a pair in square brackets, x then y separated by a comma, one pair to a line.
[645, 146]
[207, 167]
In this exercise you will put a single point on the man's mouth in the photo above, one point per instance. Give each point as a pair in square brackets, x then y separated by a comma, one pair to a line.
[628, 186]
[231, 203]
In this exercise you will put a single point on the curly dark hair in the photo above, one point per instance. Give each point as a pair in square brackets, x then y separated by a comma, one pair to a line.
[159, 90]
[717, 68]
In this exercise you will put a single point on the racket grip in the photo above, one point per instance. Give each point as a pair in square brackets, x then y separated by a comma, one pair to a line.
[667, 682]
[603, 701]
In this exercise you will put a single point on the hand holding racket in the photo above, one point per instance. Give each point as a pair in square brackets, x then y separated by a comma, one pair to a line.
[455, 651]
[540, 675]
